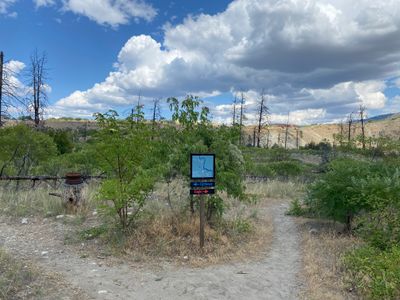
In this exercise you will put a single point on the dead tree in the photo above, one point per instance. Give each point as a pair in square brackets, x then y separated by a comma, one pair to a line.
[241, 119]
[263, 112]
[362, 120]
[156, 114]
[234, 111]
[341, 136]
[287, 130]
[38, 77]
[8, 89]
[349, 125]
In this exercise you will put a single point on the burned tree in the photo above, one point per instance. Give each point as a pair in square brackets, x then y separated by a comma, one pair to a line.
[263, 112]
[241, 118]
[8, 89]
[287, 130]
[362, 120]
[234, 111]
[156, 115]
[349, 125]
[38, 77]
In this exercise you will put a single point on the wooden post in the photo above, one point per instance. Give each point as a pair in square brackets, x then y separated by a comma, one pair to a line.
[202, 221]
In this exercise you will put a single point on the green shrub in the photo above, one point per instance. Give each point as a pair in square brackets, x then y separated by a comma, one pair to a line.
[23, 150]
[296, 209]
[375, 273]
[336, 194]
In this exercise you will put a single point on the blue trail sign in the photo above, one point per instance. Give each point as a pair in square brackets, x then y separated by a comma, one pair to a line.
[202, 166]
[203, 184]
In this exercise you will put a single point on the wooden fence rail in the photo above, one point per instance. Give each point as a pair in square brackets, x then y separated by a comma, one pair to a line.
[43, 177]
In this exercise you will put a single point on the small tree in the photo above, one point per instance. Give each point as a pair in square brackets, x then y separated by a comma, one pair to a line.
[336, 194]
[125, 155]
[196, 135]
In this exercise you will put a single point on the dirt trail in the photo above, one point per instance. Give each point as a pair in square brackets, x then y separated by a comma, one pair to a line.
[274, 277]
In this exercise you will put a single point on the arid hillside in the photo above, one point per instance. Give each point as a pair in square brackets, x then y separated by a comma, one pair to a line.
[302, 135]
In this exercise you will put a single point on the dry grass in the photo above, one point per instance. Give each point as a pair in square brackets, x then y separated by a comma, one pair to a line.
[321, 260]
[23, 280]
[167, 231]
[25, 202]
[275, 189]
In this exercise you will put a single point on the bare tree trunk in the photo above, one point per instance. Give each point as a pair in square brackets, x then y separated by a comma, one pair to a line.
[155, 113]
[287, 131]
[362, 119]
[349, 123]
[254, 138]
[38, 75]
[268, 135]
[241, 120]
[297, 138]
[341, 133]
[234, 111]
[262, 110]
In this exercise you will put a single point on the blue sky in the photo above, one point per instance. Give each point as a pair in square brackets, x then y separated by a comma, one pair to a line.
[319, 61]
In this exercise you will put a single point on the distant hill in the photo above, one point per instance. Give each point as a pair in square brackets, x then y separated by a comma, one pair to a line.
[381, 117]
[382, 125]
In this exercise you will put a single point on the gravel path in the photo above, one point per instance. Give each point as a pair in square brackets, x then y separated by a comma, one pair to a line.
[274, 277]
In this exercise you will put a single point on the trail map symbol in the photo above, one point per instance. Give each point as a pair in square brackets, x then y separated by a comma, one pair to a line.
[203, 166]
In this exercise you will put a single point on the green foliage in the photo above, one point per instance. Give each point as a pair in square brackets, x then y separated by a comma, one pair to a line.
[125, 155]
[296, 208]
[23, 149]
[63, 140]
[370, 192]
[336, 194]
[242, 226]
[196, 135]
[375, 273]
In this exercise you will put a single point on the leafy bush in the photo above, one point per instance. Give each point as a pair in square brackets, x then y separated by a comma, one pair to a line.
[125, 155]
[280, 169]
[63, 140]
[336, 194]
[375, 273]
[23, 150]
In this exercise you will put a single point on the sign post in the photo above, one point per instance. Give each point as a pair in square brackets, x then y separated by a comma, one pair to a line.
[202, 174]
[202, 221]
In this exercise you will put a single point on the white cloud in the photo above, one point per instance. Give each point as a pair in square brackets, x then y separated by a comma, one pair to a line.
[310, 56]
[13, 70]
[111, 12]
[5, 4]
[40, 3]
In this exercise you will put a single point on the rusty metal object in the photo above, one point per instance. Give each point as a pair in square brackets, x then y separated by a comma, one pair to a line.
[73, 178]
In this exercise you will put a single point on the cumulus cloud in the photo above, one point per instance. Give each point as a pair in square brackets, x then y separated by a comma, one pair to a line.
[321, 57]
[111, 12]
[13, 70]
